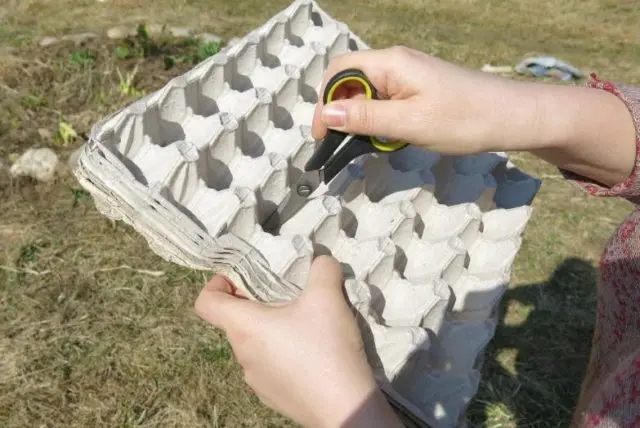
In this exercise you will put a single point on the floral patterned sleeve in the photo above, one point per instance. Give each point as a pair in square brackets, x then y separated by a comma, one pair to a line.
[610, 394]
[630, 187]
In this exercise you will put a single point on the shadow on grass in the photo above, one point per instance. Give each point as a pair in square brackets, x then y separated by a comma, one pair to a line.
[535, 364]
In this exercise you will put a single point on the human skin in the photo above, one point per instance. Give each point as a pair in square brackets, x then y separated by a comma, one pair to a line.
[450, 109]
[305, 358]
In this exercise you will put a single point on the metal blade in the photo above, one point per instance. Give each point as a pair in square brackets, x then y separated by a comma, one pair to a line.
[326, 149]
[297, 197]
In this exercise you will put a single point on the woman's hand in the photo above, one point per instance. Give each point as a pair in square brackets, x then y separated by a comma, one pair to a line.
[428, 102]
[304, 358]
[450, 109]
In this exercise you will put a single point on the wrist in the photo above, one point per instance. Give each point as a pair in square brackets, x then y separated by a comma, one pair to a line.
[584, 130]
[370, 410]
[542, 116]
[521, 117]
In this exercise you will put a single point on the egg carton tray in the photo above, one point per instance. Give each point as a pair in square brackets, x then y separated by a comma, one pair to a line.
[426, 241]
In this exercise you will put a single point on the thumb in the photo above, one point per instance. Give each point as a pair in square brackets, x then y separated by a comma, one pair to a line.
[367, 117]
[217, 305]
[325, 283]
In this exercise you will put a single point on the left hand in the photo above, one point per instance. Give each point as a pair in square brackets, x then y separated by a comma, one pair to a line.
[303, 358]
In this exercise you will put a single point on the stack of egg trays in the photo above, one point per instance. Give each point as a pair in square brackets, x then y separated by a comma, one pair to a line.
[426, 241]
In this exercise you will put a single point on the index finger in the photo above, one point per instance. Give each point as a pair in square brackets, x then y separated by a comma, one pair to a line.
[219, 306]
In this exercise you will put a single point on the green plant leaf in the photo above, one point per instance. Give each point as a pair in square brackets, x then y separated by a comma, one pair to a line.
[82, 57]
[65, 133]
[169, 62]
[205, 50]
[122, 52]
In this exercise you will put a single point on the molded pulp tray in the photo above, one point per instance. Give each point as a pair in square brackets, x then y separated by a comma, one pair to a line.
[426, 241]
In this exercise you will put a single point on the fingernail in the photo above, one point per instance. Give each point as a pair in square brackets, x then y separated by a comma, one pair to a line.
[334, 115]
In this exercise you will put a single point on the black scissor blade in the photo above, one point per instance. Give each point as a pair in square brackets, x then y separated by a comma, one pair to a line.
[325, 150]
[300, 193]
[355, 147]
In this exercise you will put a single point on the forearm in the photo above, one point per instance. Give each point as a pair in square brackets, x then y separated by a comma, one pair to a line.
[586, 131]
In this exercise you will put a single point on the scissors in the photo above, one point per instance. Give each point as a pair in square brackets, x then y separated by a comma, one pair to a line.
[334, 153]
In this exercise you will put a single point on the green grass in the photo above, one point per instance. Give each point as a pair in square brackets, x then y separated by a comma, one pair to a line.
[95, 330]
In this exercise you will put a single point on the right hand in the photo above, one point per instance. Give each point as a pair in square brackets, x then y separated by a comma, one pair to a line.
[428, 102]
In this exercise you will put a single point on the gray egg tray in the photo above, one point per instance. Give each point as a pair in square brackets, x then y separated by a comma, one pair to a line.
[426, 241]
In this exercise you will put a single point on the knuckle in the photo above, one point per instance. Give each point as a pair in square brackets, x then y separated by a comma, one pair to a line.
[400, 50]
[400, 53]
[335, 63]
[364, 118]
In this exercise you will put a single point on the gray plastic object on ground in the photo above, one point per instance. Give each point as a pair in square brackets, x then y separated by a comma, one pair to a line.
[427, 241]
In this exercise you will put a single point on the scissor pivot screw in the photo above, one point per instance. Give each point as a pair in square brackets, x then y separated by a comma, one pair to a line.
[303, 190]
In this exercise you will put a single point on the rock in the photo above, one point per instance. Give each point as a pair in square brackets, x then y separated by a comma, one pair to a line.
[180, 32]
[40, 164]
[48, 41]
[80, 37]
[497, 69]
[120, 32]
[209, 38]
[154, 29]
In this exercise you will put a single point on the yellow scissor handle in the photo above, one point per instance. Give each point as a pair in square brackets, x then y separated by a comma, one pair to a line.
[355, 75]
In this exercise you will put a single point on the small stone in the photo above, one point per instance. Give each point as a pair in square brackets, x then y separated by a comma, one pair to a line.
[154, 29]
[48, 41]
[120, 32]
[209, 38]
[80, 37]
[45, 134]
[180, 32]
[40, 164]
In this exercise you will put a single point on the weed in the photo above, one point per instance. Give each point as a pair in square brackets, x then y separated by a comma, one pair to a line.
[33, 102]
[205, 50]
[82, 57]
[140, 46]
[13, 157]
[65, 133]
[192, 51]
[123, 52]
[80, 196]
[142, 34]
[29, 252]
[127, 83]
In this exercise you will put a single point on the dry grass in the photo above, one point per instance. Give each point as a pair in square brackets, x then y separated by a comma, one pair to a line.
[87, 342]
